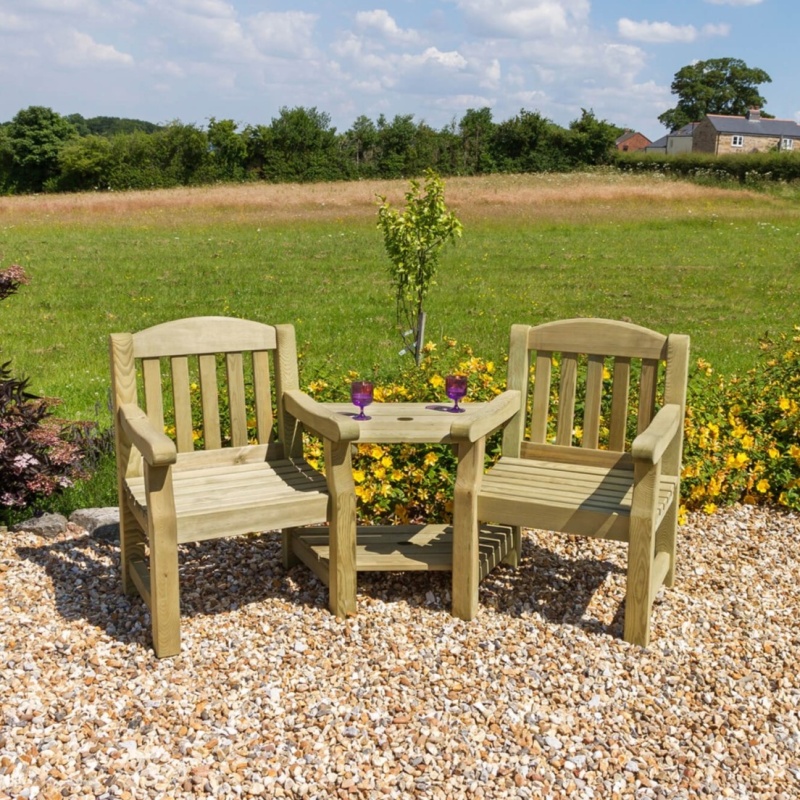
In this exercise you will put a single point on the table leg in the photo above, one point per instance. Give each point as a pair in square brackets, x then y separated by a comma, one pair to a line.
[466, 568]
[342, 514]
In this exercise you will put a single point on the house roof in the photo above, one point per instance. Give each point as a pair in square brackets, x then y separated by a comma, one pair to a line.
[629, 135]
[658, 144]
[686, 130]
[754, 127]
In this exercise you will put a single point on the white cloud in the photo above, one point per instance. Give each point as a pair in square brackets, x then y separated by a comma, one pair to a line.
[645, 31]
[284, 32]
[381, 21]
[525, 19]
[79, 49]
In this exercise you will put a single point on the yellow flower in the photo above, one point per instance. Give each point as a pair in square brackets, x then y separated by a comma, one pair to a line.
[682, 514]
[773, 452]
[710, 508]
[431, 459]
[379, 473]
[396, 475]
[794, 452]
[762, 486]
[748, 442]
[386, 461]
[437, 381]
[742, 459]
[358, 475]
[376, 451]
[490, 366]
[784, 403]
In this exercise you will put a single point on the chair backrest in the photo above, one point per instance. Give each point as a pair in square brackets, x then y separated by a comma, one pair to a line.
[597, 363]
[217, 381]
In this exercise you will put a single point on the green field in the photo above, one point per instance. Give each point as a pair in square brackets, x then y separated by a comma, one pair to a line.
[720, 265]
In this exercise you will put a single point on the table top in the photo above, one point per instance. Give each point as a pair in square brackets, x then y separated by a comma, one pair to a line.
[401, 423]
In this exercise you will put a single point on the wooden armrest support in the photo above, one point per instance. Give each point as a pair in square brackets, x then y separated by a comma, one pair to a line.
[651, 443]
[497, 412]
[317, 418]
[157, 449]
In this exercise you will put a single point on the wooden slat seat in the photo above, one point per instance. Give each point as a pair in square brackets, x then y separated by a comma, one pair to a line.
[595, 449]
[207, 380]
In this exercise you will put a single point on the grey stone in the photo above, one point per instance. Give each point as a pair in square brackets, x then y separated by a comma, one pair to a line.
[99, 523]
[49, 525]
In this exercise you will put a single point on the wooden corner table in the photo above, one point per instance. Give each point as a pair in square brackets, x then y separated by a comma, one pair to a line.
[338, 553]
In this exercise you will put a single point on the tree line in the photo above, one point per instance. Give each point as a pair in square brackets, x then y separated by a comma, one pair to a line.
[43, 151]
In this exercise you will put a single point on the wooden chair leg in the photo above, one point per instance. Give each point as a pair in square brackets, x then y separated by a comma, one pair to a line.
[164, 581]
[288, 555]
[132, 542]
[515, 554]
[466, 538]
[667, 539]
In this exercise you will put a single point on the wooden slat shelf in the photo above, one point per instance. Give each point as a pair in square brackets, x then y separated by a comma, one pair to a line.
[395, 548]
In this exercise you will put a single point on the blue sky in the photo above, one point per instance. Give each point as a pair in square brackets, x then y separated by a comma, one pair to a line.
[189, 60]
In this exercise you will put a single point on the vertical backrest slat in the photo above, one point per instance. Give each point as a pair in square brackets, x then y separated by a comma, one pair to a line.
[648, 387]
[567, 385]
[153, 398]
[234, 365]
[594, 397]
[263, 396]
[542, 376]
[287, 377]
[620, 391]
[182, 403]
[209, 401]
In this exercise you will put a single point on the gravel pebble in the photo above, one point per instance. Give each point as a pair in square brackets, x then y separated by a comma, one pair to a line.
[538, 697]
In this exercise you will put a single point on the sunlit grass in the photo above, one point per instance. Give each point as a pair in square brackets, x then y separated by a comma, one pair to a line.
[720, 265]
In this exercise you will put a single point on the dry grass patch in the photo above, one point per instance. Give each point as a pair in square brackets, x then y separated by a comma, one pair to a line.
[557, 197]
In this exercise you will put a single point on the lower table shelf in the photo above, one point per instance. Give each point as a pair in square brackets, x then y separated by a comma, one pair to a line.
[398, 548]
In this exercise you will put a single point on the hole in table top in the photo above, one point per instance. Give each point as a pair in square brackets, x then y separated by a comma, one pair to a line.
[405, 419]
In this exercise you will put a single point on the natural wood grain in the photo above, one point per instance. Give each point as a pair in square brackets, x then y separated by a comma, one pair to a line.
[171, 494]
[624, 492]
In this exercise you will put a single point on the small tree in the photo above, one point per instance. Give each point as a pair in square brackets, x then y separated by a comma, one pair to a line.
[413, 240]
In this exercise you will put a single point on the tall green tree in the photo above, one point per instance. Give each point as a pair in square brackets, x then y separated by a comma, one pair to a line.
[715, 86]
[35, 138]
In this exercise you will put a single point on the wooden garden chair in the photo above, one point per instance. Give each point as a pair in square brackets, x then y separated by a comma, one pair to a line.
[250, 474]
[621, 481]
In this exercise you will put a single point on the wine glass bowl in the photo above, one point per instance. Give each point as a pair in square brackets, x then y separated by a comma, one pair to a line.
[455, 387]
[361, 393]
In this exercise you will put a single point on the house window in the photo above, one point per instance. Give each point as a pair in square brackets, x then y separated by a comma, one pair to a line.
[787, 144]
[737, 141]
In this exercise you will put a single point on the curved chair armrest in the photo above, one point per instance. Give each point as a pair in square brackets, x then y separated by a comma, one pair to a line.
[496, 413]
[651, 443]
[157, 449]
[319, 419]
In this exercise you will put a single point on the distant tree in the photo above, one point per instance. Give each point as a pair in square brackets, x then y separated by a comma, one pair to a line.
[228, 149]
[529, 142]
[476, 129]
[359, 144]
[715, 86]
[395, 142]
[36, 137]
[304, 146]
[85, 164]
[591, 140]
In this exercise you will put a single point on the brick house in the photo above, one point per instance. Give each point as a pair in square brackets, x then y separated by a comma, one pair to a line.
[632, 140]
[720, 134]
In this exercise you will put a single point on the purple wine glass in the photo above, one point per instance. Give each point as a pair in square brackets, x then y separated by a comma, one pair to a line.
[361, 395]
[455, 388]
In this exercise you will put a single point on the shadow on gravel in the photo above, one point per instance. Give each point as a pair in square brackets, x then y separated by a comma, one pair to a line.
[224, 575]
[216, 577]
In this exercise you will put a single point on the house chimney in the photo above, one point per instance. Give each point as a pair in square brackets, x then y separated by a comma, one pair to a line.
[754, 114]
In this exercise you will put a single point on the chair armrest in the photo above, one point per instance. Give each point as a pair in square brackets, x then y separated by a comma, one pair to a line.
[497, 412]
[317, 418]
[651, 443]
[157, 449]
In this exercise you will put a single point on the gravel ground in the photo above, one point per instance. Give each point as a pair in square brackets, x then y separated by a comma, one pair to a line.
[537, 697]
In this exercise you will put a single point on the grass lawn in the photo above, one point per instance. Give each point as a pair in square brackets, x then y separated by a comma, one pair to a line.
[719, 264]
